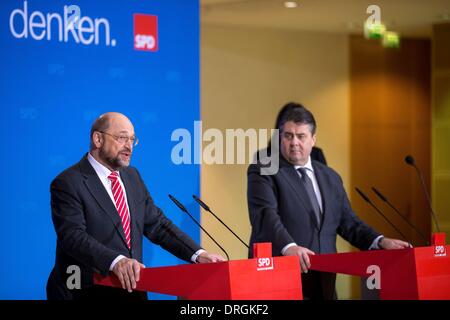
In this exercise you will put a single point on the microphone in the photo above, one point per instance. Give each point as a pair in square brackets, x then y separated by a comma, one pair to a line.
[382, 197]
[204, 206]
[371, 203]
[410, 161]
[183, 208]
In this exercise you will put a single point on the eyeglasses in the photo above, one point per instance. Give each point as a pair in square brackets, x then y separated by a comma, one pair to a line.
[123, 139]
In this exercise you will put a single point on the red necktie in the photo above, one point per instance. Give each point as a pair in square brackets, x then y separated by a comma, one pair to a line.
[121, 205]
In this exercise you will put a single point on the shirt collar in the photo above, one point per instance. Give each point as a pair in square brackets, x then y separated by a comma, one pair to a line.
[308, 165]
[102, 171]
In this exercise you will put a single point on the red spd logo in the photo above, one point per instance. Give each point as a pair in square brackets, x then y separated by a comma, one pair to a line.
[439, 251]
[145, 32]
[264, 264]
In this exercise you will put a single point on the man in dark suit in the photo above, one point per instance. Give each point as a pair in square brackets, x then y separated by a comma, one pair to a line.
[101, 209]
[303, 207]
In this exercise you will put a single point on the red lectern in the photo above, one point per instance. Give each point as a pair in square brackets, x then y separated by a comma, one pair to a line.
[264, 277]
[416, 273]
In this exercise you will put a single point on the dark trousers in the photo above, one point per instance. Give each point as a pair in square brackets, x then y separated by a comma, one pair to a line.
[319, 285]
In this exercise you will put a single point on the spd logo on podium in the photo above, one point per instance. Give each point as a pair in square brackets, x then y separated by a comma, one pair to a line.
[145, 32]
[264, 264]
[439, 251]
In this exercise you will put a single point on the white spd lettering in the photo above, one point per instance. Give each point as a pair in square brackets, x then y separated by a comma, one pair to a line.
[439, 251]
[144, 41]
[265, 264]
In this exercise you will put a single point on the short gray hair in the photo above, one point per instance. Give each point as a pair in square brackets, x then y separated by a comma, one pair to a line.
[102, 123]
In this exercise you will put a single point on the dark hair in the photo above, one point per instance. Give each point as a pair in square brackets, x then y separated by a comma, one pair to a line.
[297, 113]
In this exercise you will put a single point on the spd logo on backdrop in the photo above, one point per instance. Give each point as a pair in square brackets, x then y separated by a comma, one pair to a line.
[145, 32]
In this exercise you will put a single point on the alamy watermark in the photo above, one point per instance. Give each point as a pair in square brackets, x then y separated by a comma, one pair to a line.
[74, 279]
[234, 146]
[74, 19]
[374, 280]
[375, 17]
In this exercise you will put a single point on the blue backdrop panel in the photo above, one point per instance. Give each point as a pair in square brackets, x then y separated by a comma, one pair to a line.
[52, 90]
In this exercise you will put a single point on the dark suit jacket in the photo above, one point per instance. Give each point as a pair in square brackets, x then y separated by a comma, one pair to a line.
[280, 213]
[317, 154]
[89, 230]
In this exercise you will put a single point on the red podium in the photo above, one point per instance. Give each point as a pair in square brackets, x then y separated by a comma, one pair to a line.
[264, 277]
[417, 273]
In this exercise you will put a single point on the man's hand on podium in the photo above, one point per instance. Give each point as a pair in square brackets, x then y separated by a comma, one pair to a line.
[388, 244]
[128, 271]
[303, 253]
[206, 257]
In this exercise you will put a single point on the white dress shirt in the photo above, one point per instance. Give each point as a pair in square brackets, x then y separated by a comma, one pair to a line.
[103, 173]
[310, 172]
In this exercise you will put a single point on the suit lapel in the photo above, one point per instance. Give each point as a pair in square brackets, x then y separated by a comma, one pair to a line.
[293, 179]
[98, 191]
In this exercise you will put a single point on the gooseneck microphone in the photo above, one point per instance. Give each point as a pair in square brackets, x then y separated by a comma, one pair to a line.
[410, 161]
[383, 198]
[204, 206]
[366, 198]
[183, 208]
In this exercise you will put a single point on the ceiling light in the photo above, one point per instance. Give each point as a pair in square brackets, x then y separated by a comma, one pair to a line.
[391, 40]
[290, 4]
[374, 30]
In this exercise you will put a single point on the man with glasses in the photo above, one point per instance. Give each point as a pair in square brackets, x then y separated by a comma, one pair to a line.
[101, 210]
